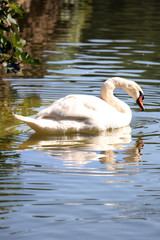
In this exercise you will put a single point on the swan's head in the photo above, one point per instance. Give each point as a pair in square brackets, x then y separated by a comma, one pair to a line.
[136, 92]
[131, 87]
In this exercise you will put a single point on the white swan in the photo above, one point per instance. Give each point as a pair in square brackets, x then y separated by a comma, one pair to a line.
[81, 113]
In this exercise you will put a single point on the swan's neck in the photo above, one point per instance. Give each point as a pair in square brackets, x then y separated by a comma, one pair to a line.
[108, 96]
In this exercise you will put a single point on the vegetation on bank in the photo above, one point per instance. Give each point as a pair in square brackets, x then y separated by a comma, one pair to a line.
[11, 44]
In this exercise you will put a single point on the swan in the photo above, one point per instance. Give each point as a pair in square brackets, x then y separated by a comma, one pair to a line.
[82, 113]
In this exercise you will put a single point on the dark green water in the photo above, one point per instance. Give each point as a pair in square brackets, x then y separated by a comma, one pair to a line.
[103, 186]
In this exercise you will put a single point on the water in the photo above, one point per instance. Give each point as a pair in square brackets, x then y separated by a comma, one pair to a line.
[83, 186]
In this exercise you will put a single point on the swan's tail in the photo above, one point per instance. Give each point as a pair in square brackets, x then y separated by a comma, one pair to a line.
[27, 120]
[43, 126]
[31, 122]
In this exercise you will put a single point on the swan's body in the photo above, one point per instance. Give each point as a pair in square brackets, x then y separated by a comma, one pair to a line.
[81, 113]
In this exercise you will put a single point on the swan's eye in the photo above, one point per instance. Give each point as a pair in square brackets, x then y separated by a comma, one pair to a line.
[141, 95]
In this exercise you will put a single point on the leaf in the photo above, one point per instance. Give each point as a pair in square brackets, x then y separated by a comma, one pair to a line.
[3, 40]
[26, 58]
[17, 42]
[6, 55]
[36, 61]
[13, 67]
[15, 38]
[4, 44]
[16, 7]
[11, 20]
[21, 43]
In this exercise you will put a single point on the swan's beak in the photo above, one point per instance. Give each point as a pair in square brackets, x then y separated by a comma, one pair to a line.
[140, 102]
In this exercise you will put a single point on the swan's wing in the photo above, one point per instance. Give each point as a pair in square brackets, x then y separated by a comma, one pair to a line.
[78, 107]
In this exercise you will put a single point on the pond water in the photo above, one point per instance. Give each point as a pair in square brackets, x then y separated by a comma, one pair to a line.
[83, 186]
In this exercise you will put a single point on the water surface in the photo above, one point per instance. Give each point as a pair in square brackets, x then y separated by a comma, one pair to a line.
[84, 186]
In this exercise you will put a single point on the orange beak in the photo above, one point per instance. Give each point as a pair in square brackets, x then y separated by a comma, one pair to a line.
[140, 102]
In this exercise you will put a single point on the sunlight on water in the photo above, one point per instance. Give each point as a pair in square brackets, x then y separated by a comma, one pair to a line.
[83, 186]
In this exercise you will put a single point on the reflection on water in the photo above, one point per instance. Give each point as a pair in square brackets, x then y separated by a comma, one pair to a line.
[82, 186]
[79, 149]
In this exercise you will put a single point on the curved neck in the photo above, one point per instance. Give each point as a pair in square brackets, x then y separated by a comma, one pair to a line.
[107, 94]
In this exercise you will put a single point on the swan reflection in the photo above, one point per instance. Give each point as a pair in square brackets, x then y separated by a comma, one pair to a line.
[78, 150]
